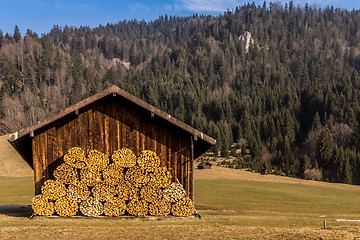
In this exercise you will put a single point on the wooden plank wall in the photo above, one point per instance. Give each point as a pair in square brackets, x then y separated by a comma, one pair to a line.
[109, 125]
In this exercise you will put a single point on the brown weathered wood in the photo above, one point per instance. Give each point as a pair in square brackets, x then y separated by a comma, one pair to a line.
[106, 120]
[89, 115]
[191, 169]
[95, 128]
[152, 134]
[163, 153]
[72, 133]
[141, 138]
[157, 139]
[67, 137]
[56, 149]
[60, 141]
[49, 146]
[124, 129]
[113, 139]
[181, 162]
[81, 129]
[108, 126]
[118, 125]
[169, 154]
[135, 134]
[100, 124]
[43, 152]
[175, 159]
[38, 171]
[77, 127]
[50, 155]
[188, 169]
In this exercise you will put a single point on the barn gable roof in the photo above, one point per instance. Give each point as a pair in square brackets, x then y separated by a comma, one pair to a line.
[21, 140]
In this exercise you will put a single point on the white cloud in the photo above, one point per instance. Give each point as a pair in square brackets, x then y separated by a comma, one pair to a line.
[209, 5]
[139, 7]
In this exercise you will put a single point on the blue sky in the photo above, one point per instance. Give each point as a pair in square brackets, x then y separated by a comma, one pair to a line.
[41, 15]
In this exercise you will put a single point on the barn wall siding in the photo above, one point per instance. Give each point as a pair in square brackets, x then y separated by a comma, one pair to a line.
[108, 125]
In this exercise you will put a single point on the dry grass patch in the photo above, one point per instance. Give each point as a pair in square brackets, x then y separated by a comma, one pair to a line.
[178, 232]
[11, 163]
[238, 174]
[234, 204]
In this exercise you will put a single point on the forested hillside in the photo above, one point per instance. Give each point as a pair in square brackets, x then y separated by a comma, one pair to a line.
[292, 97]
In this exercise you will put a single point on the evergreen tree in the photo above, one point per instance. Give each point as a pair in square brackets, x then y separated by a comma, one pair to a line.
[1, 38]
[325, 149]
[316, 122]
[17, 34]
[306, 163]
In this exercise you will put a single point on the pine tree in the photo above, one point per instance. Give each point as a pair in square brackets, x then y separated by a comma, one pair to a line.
[306, 163]
[1, 38]
[325, 149]
[316, 122]
[17, 34]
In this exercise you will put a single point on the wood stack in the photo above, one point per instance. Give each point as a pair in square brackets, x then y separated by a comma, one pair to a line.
[41, 206]
[124, 157]
[161, 177]
[66, 174]
[151, 193]
[183, 208]
[91, 207]
[174, 192]
[126, 191]
[127, 185]
[160, 208]
[148, 160]
[113, 174]
[78, 191]
[89, 176]
[115, 207]
[75, 157]
[137, 207]
[103, 191]
[66, 207]
[97, 160]
[53, 189]
[137, 176]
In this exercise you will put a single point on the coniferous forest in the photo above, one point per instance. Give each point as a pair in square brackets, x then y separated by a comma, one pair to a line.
[289, 95]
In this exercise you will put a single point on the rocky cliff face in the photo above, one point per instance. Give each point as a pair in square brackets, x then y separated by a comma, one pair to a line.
[247, 39]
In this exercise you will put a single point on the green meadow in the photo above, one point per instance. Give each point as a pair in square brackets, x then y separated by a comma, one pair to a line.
[230, 209]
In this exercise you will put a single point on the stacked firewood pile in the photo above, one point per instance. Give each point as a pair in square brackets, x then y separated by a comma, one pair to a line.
[122, 184]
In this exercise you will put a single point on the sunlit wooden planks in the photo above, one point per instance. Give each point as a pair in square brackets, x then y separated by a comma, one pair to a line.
[109, 125]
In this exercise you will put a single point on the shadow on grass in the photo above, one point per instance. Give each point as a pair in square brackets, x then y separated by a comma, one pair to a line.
[16, 210]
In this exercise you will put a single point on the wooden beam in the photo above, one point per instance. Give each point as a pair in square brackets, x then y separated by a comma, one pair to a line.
[192, 168]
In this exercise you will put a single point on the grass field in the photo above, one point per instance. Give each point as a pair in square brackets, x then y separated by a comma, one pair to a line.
[234, 204]
[11, 163]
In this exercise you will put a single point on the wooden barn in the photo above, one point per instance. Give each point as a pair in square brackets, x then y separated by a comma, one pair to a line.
[108, 121]
[204, 165]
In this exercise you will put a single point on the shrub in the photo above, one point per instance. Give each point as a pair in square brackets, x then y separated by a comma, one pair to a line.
[312, 174]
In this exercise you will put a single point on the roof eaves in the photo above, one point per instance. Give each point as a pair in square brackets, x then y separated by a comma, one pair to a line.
[124, 94]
